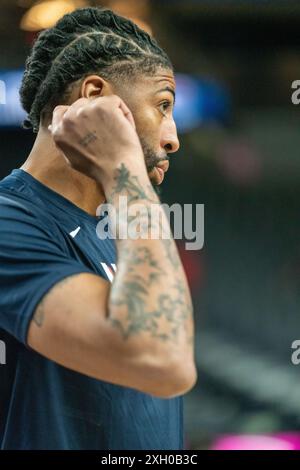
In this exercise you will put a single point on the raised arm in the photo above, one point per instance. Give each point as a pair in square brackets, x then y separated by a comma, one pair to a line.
[138, 331]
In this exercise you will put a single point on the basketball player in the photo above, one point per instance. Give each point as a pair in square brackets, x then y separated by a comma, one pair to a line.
[102, 329]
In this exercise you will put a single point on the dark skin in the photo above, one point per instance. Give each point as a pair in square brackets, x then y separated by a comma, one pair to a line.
[151, 101]
[137, 331]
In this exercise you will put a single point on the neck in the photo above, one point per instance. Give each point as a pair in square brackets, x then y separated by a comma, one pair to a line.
[47, 164]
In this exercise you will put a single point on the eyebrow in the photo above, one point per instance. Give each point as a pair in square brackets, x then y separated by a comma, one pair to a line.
[167, 88]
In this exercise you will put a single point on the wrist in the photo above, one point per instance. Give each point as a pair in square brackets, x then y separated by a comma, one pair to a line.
[116, 177]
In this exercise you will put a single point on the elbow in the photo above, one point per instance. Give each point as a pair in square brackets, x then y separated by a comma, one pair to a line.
[175, 380]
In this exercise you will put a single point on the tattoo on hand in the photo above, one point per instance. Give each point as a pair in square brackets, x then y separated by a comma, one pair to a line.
[90, 137]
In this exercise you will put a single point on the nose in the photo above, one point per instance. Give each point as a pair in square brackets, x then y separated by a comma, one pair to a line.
[169, 138]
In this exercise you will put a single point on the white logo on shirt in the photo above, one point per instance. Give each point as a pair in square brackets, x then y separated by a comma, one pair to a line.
[109, 270]
[74, 232]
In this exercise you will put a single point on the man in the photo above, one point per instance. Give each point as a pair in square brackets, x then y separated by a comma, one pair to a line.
[103, 328]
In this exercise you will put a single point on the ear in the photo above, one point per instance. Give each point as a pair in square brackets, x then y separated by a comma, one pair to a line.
[94, 86]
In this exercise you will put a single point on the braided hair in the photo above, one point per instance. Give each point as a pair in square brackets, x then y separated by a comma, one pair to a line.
[88, 40]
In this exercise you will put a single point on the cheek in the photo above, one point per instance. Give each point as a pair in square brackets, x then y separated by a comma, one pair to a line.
[148, 124]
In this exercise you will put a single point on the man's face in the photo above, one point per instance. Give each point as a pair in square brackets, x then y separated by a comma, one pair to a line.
[151, 101]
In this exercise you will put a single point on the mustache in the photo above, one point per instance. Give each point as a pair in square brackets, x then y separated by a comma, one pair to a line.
[152, 158]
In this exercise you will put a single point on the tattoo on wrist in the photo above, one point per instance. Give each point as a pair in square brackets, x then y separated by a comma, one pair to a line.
[129, 185]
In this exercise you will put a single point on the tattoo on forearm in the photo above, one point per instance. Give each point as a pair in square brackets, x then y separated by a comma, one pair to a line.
[171, 311]
[130, 186]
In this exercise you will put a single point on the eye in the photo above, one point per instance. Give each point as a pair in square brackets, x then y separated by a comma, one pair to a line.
[165, 106]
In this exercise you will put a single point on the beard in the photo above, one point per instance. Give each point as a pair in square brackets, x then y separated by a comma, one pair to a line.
[151, 160]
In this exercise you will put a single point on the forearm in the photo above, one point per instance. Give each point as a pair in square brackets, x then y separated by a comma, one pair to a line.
[149, 297]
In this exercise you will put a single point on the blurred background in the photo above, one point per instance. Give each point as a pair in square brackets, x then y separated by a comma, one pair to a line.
[235, 62]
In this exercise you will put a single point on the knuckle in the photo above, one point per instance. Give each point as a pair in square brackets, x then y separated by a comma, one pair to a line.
[112, 100]
[115, 97]
[68, 123]
[57, 133]
[82, 113]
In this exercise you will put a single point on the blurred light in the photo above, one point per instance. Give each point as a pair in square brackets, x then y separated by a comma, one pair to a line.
[45, 14]
[199, 102]
[239, 161]
[284, 441]
[11, 113]
[194, 265]
[141, 24]
[136, 11]
[130, 8]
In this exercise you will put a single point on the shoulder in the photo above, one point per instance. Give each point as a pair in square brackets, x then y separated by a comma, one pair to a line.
[20, 215]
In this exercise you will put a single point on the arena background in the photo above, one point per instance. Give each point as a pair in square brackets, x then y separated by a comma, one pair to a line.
[240, 140]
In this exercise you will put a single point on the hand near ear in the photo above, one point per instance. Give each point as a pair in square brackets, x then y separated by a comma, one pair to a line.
[96, 135]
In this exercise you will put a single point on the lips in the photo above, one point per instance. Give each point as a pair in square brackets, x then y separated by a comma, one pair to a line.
[161, 169]
[164, 165]
[158, 172]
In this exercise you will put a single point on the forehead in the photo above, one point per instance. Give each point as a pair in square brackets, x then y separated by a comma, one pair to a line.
[161, 79]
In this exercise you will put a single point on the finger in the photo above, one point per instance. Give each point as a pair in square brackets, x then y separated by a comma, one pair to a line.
[64, 111]
[127, 113]
[116, 100]
[75, 107]
[112, 101]
[78, 104]
[58, 113]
